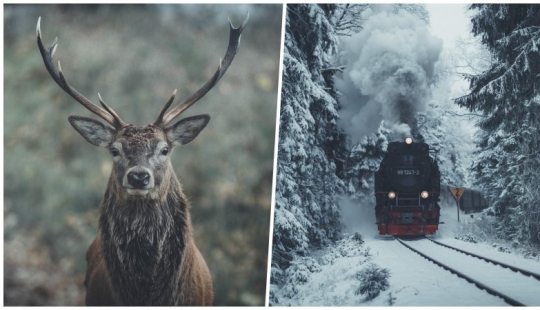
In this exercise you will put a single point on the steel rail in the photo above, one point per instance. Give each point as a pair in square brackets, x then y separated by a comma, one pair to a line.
[479, 284]
[513, 268]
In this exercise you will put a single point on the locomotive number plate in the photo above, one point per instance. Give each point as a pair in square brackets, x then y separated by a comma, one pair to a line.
[408, 171]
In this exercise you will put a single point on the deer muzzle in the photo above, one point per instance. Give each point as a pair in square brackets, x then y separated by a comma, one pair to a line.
[138, 181]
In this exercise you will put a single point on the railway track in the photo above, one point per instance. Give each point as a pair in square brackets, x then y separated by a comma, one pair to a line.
[489, 260]
[516, 286]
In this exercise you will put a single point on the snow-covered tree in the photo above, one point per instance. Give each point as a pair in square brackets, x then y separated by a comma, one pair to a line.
[306, 208]
[418, 10]
[439, 131]
[508, 95]
[364, 159]
[348, 19]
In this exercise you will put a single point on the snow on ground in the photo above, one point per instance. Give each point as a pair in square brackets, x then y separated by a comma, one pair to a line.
[494, 252]
[332, 282]
[523, 289]
[418, 282]
[330, 277]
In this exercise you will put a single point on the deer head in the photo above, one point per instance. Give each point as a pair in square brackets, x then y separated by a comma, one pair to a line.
[141, 154]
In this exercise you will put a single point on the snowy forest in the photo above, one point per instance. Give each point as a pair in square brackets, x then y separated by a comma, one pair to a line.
[347, 69]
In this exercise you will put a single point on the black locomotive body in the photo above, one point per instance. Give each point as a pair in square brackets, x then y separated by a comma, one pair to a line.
[407, 189]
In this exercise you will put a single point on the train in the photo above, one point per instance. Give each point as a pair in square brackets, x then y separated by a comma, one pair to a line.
[473, 201]
[407, 190]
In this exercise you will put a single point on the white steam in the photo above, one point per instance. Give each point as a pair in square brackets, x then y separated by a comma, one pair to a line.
[359, 217]
[388, 68]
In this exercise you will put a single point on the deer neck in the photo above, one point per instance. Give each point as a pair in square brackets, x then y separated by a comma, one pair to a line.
[144, 241]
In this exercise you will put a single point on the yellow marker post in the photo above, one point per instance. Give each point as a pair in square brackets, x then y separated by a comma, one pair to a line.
[457, 192]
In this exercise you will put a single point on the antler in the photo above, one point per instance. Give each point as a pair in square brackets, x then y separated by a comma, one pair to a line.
[234, 42]
[107, 114]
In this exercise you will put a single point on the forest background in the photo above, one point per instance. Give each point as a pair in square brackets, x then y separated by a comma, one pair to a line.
[135, 56]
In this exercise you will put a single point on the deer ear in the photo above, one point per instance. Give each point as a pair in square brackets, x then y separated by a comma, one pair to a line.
[186, 129]
[93, 131]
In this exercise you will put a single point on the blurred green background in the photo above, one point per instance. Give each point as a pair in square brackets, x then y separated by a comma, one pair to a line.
[135, 56]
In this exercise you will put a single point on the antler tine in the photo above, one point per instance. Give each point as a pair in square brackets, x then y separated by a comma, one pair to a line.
[47, 54]
[159, 120]
[232, 49]
[118, 122]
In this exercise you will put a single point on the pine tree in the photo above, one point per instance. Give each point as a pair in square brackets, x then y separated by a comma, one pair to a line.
[363, 161]
[508, 94]
[306, 208]
[347, 19]
[438, 130]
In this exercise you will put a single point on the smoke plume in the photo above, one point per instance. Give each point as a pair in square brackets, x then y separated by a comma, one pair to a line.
[389, 65]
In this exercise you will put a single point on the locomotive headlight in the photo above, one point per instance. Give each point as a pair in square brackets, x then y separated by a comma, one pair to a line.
[408, 140]
[391, 195]
[424, 194]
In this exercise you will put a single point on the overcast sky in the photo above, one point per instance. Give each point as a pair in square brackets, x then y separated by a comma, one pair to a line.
[449, 22]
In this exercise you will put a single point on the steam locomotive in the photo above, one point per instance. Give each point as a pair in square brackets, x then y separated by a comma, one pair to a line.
[407, 189]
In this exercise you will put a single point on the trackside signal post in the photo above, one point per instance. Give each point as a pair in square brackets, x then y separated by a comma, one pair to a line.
[457, 192]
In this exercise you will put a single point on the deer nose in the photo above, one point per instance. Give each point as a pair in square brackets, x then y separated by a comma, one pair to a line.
[138, 179]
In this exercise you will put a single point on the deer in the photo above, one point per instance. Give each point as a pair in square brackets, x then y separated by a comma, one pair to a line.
[144, 252]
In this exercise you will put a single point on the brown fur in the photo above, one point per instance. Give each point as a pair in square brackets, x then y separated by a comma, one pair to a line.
[144, 253]
[99, 290]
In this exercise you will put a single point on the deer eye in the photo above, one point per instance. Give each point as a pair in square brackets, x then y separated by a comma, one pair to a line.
[165, 151]
[115, 152]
